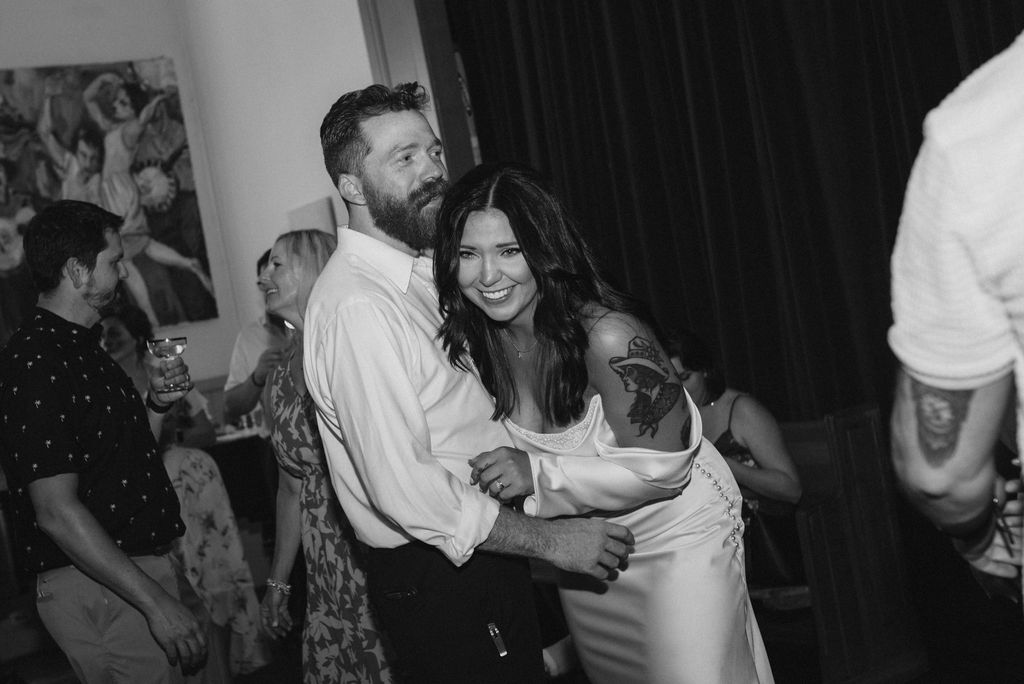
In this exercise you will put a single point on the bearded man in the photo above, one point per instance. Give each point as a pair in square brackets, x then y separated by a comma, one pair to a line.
[445, 564]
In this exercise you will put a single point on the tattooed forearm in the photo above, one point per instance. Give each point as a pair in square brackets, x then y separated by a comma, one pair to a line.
[940, 414]
[645, 372]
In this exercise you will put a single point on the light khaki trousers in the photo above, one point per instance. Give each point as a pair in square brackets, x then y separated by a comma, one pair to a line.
[106, 640]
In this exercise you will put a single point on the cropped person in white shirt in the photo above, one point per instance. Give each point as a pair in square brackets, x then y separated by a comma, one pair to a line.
[399, 424]
[259, 348]
[958, 318]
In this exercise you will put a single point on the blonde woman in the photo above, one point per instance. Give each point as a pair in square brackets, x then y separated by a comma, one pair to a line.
[340, 640]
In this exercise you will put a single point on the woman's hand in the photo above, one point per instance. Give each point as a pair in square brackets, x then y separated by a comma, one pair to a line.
[274, 616]
[504, 473]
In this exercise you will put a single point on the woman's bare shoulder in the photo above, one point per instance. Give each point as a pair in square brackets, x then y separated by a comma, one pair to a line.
[609, 328]
[750, 415]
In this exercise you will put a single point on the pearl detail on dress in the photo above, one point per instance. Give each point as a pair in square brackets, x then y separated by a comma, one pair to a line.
[737, 526]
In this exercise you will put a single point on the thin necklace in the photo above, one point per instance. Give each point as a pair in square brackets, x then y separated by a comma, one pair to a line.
[520, 352]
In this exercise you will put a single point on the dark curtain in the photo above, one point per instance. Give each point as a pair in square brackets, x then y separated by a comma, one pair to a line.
[738, 164]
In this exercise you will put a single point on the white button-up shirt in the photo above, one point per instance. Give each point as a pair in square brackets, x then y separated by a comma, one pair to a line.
[398, 422]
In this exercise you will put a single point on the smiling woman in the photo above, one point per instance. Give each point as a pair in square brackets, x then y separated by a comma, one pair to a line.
[601, 427]
[296, 259]
[494, 275]
[339, 633]
[280, 283]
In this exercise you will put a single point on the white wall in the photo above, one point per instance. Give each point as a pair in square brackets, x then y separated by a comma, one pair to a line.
[396, 53]
[266, 73]
[256, 78]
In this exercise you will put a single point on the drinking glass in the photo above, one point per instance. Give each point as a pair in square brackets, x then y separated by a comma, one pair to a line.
[169, 348]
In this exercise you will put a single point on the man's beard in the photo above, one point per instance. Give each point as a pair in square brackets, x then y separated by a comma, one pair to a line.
[408, 220]
[107, 303]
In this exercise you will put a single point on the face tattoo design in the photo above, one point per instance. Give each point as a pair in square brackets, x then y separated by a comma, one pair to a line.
[646, 374]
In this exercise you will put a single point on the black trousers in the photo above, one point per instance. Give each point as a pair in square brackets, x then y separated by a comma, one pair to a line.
[448, 624]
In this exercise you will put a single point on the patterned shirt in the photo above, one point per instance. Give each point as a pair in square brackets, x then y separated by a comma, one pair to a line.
[67, 407]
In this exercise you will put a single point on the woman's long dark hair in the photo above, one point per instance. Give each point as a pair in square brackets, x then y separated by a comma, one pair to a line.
[567, 279]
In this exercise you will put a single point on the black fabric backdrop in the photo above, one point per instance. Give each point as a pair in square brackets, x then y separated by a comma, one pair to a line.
[739, 164]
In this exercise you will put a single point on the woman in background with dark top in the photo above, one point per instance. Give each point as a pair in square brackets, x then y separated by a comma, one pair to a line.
[340, 640]
[750, 439]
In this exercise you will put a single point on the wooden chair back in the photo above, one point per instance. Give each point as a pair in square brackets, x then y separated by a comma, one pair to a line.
[852, 550]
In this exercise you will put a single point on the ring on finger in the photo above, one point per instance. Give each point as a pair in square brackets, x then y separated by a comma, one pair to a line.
[500, 485]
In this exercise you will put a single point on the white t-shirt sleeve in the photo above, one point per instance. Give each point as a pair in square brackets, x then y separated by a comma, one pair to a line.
[950, 327]
[242, 360]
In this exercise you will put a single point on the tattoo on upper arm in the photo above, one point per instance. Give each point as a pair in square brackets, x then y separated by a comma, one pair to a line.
[645, 373]
[940, 414]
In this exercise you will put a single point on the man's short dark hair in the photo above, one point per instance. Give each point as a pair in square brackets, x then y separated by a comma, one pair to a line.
[66, 229]
[341, 135]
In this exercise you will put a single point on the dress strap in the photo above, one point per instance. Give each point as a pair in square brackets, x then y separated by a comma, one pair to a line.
[732, 407]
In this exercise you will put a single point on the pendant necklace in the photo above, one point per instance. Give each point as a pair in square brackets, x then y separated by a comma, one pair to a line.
[520, 352]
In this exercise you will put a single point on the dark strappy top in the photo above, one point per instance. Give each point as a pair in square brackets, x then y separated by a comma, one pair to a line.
[728, 446]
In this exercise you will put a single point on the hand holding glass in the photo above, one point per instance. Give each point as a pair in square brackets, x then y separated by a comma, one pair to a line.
[170, 348]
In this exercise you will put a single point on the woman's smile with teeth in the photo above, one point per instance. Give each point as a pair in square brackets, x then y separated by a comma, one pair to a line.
[493, 273]
[497, 294]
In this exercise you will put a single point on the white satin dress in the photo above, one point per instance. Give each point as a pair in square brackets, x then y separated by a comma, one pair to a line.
[680, 613]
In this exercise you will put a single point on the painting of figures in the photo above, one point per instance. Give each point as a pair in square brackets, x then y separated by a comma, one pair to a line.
[111, 134]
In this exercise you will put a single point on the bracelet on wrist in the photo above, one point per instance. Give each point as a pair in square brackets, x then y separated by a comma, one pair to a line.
[155, 407]
[252, 378]
[279, 586]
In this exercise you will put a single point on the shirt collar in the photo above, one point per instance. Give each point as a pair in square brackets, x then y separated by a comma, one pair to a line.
[46, 319]
[393, 264]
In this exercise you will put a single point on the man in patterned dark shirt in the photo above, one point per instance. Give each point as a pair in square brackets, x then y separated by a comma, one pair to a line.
[94, 510]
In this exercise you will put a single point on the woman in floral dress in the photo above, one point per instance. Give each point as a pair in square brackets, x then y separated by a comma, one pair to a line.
[340, 641]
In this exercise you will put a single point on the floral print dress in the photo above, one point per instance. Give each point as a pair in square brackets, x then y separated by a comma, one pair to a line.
[340, 641]
[211, 557]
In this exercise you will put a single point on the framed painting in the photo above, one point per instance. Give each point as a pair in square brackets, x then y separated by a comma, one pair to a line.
[112, 134]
